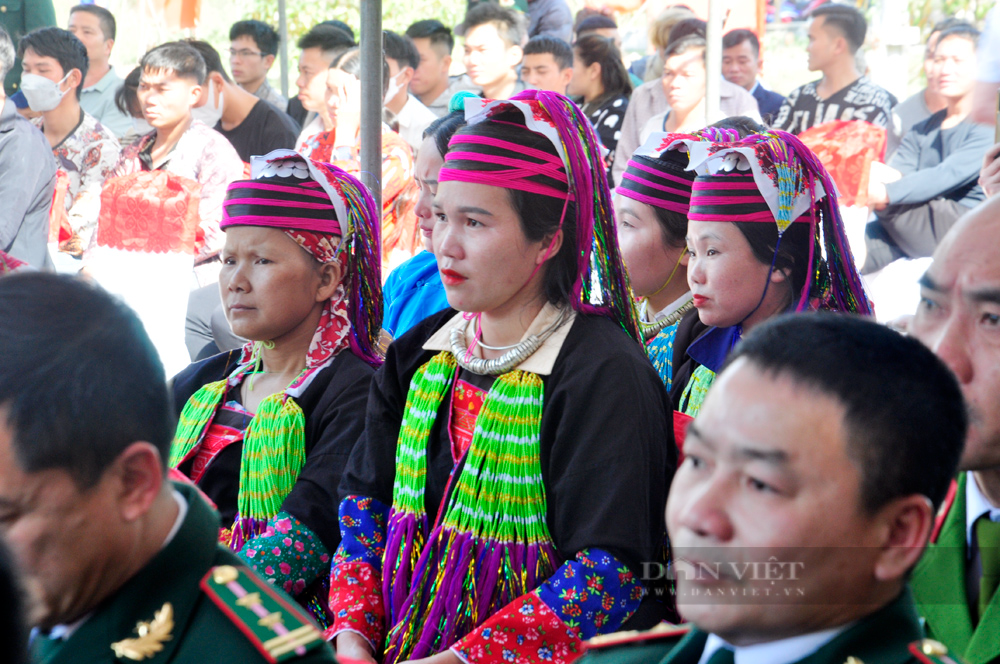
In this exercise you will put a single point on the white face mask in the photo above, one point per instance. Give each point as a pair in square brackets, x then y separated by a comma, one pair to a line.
[211, 112]
[394, 88]
[42, 94]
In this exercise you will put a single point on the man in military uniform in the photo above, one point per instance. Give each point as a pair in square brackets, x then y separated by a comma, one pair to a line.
[806, 496]
[18, 18]
[959, 319]
[120, 564]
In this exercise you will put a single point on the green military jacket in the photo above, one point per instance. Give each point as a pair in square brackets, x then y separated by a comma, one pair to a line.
[18, 18]
[938, 585]
[194, 603]
[891, 635]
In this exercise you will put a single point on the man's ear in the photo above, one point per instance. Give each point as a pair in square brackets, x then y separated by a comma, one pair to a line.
[908, 523]
[138, 470]
[73, 80]
[407, 76]
[109, 44]
[268, 61]
[515, 54]
[446, 60]
[566, 74]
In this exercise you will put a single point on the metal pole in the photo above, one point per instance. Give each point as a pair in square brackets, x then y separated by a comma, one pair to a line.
[371, 98]
[713, 60]
[283, 47]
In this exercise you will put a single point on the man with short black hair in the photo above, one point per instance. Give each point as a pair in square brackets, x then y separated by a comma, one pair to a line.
[955, 582]
[320, 47]
[931, 180]
[411, 115]
[27, 178]
[249, 123]
[95, 27]
[431, 83]
[741, 64]
[120, 563]
[814, 415]
[55, 68]
[836, 32]
[547, 64]
[253, 46]
[602, 25]
[493, 38]
[173, 76]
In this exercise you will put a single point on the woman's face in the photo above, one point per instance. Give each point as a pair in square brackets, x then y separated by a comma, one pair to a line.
[271, 287]
[429, 163]
[484, 258]
[648, 257]
[725, 277]
[582, 82]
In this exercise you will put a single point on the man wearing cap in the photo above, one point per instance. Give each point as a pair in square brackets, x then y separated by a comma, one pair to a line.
[815, 415]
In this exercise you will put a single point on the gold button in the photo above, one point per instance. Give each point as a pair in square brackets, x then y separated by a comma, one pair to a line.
[3, 9]
[225, 574]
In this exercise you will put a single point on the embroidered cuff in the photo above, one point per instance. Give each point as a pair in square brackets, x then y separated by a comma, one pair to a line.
[287, 554]
[362, 531]
[526, 631]
[356, 602]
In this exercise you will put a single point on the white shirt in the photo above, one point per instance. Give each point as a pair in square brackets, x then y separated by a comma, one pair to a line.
[64, 632]
[666, 311]
[783, 651]
[413, 119]
[976, 505]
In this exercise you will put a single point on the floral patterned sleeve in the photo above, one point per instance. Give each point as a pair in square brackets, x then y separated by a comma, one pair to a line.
[356, 576]
[98, 162]
[593, 594]
[287, 554]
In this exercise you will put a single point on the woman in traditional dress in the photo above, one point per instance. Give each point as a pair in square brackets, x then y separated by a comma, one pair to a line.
[517, 451]
[765, 237]
[266, 432]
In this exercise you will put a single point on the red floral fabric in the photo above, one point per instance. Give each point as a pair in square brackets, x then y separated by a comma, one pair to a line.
[356, 591]
[526, 631]
[466, 402]
[152, 212]
[847, 150]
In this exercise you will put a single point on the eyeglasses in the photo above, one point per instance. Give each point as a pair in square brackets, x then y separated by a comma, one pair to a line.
[244, 53]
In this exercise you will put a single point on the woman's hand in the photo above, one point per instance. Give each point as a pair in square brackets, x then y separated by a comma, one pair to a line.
[353, 646]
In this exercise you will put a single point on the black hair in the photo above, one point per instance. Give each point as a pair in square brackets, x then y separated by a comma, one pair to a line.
[688, 27]
[6, 54]
[266, 37]
[213, 62]
[685, 44]
[737, 37]
[593, 23]
[340, 25]
[327, 38]
[742, 124]
[63, 336]
[60, 44]
[614, 77]
[350, 62]
[400, 49]
[127, 96]
[847, 20]
[109, 28]
[539, 214]
[13, 631]
[433, 30]
[443, 128]
[962, 30]
[793, 253]
[561, 52]
[509, 24]
[905, 418]
[178, 57]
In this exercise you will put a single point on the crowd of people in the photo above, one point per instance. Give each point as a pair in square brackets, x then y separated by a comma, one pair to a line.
[600, 380]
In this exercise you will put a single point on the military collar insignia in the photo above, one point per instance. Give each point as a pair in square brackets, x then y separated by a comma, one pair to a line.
[150, 636]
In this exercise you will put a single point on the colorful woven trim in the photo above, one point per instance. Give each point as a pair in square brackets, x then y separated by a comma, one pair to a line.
[491, 543]
[274, 452]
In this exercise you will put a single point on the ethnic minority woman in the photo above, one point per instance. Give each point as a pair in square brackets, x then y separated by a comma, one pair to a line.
[517, 451]
[265, 432]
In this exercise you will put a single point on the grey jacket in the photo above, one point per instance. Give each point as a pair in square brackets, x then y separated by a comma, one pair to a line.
[27, 182]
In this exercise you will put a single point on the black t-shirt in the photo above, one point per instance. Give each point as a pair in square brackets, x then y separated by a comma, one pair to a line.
[861, 100]
[264, 129]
